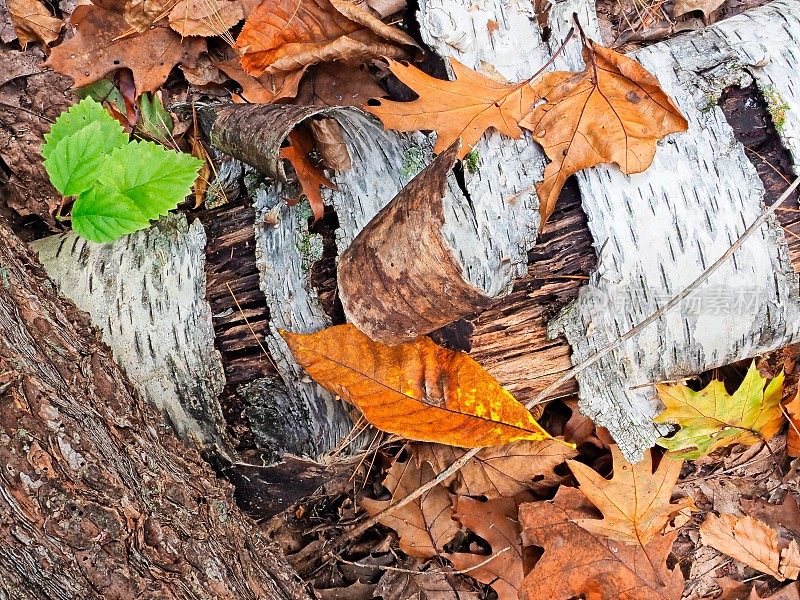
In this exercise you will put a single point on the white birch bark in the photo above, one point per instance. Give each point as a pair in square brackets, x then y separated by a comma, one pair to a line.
[657, 231]
[146, 293]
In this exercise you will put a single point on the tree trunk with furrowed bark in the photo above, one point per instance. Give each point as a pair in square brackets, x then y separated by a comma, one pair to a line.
[98, 496]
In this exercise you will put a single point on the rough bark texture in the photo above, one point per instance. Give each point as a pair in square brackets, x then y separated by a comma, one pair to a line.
[146, 292]
[698, 196]
[98, 498]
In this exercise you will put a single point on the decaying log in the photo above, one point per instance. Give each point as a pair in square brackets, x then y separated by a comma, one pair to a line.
[98, 497]
[661, 229]
[146, 292]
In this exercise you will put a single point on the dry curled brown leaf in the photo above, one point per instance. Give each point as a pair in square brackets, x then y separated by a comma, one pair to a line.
[205, 18]
[418, 390]
[793, 435]
[578, 563]
[752, 542]
[503, 471]
[287, 35]
[635, 502]
[612, 112]
[463, 108]
[101, 46]
[265, 89]
[33, 22]
[496, 521]
[425, 525]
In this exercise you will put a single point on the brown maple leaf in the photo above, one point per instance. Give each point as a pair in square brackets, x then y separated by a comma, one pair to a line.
[33, 22]
[635, 502]
[752, 542]
[502, 471]
[425, 525]
[613, 112]
[102, 46]
[496, 522]
[309, 176]
[287, 35]
[418, 390]
[578, 563]
[463, 108]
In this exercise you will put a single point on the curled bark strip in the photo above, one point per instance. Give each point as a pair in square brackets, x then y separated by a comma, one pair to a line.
[253, 133]
[399, 278]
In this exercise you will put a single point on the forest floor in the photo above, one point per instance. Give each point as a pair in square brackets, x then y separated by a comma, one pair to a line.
[506, 526]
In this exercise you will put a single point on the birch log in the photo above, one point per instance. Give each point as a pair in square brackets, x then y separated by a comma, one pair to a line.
[657, 231]
[146, 293]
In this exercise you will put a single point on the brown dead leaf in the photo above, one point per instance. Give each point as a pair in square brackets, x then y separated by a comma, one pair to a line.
[793, 435]
[580, 429]
[338, 84]
[310, 177]
[329, 142]
[784, 515]
[425, 525]
[424, 585]
[141, 15]
[496, 521]
[33, 22]
[635, 502]
[287, 35]
[738, 590]
[464, 108]
[418, 389]
[97, 49]
[265, 89]
[205, 18]
[31, 98]
[578, 563]
[752, 542]
[503, 471]
[705, 6]
[613, 112]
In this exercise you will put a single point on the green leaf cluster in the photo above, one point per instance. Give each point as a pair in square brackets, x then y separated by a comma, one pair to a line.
[120, 185]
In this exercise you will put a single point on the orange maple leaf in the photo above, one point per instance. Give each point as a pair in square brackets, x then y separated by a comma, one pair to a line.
[418, 390]
[463, 108]
[310, 178]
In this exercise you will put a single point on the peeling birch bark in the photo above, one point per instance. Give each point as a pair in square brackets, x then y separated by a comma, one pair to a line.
[657, 231]
[146, 293]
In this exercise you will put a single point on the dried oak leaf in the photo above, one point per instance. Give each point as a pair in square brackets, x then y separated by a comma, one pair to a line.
[418, 389]
[712, 418]
[287, 35]
[425, 525]
[578, 563]
[97, 49]
[265, 89]
[614, 111]
[705, 6]
[33, 22]
[503, 471]
[205, 18]
[309, 177]
[463, 108]
[496, 521]
[635, 502]
[338, 84]
[793, 435]
[395, 585]
[752, 542]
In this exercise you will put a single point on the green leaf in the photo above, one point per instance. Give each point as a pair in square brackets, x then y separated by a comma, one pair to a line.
[103, 214]
[156, 179]
[156, 121]
[712, 418]
[80, 115]
[76, 162]
[104, 90]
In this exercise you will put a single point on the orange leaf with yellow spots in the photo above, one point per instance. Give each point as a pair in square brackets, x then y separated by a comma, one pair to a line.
[418, 390]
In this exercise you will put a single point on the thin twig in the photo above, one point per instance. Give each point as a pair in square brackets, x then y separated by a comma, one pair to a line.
[429, 572]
